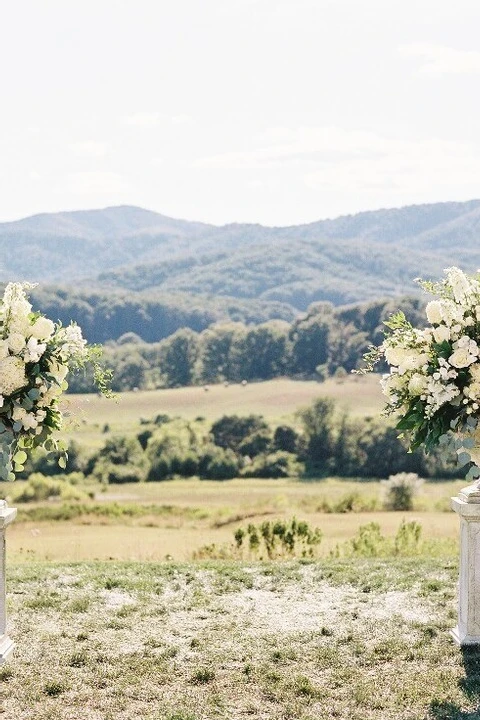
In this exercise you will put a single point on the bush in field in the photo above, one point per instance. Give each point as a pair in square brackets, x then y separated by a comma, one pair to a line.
[285, 438]
[256, 443]
[176, 448]
[109, 473]
[39, 488]
[120, 460]
[279, 464]
[369, 542]
[400, 490]
[231, 430]
[280, 538]
[219, 464]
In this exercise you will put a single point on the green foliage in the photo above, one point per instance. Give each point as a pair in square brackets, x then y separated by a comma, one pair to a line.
[318, 435]
[230, 431]
[219, 464]
[400, 490]
[285, 438]
[121, 460]
[279, 539]
[256, 443]
[279, 464]
[369, 542]
[39, 488]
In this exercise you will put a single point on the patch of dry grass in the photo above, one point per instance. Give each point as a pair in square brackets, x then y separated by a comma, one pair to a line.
[349, 640]
[152, 521]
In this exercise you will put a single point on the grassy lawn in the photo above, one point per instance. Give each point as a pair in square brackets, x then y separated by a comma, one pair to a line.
[353, 640]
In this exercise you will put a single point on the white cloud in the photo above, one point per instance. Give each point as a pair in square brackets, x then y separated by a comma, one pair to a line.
[89, 148]
[143, 119]
[181, 120]
[367, 168]
[440, 60]
[307, 145]
[406, 169]
[95, 183]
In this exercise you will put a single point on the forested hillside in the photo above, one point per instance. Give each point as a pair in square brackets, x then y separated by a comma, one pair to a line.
[348, 259]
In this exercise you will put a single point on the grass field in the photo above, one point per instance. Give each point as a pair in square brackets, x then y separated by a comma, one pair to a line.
[176, 518]
[363, 640]
[275, 399]
[113, 620]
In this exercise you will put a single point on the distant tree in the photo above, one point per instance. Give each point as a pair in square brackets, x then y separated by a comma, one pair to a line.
[310, 337]
[177, 358]
[319, 435]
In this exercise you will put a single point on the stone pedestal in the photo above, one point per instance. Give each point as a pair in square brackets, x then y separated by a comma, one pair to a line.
[467, 506]
[6, 644]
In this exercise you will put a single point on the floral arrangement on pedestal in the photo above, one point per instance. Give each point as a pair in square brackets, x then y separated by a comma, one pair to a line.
[434, 377]
[36, 355]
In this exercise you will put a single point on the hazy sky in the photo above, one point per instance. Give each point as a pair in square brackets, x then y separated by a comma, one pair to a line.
[270, 111]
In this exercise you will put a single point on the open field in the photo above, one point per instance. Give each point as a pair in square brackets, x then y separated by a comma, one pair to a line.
[275, 399]
[174, 519]
[353, 640]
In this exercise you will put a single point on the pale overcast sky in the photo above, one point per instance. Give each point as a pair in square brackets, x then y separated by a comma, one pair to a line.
[270, 111]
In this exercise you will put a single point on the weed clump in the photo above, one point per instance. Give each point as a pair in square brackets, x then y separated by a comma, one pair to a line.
[400, 490]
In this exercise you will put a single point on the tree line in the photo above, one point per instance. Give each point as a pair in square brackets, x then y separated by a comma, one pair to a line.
[324, 341]
[320, 442]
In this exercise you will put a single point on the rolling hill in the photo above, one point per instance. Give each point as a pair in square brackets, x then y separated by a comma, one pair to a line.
[343, 260]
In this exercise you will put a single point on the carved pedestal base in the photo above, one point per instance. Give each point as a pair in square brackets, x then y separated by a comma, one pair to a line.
[6, 647]
[467, 506]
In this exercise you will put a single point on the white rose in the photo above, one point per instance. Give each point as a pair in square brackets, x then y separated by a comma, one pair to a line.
[16, 342]
[396, 354]
[42, 328]
[35, 350]
[434, 312]
[391, 384]
[413, 361]
[461, 358]
[417, 384]
[459, 283]
[441, 333]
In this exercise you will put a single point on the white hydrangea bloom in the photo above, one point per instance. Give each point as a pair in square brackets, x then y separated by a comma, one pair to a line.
[12, 375]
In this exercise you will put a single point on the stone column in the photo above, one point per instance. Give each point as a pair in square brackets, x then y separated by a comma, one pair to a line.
[6, 644]
[467, 506]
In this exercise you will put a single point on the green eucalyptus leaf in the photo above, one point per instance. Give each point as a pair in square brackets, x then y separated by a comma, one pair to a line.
[20, 457]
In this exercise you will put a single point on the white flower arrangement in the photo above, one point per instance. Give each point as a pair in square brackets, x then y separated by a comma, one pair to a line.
[36, 355]
[434, 378]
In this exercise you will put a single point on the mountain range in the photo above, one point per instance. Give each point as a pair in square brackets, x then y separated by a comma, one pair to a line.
[344, 260]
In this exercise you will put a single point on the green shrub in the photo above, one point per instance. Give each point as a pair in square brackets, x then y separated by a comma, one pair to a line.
[285, 438]
[279, 538]
[39, 488]
[256, 443]
[279, 464]
[219, 464]
[231, 430]
[118, 474]
[400, 490]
